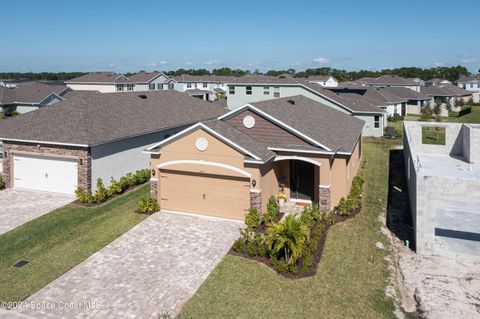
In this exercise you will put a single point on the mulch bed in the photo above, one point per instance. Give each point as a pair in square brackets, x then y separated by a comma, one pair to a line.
[316, 256]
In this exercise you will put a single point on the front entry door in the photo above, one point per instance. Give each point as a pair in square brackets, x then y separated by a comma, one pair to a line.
[301, 180]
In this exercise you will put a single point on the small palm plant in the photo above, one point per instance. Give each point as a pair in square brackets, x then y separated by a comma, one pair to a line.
[288, 236]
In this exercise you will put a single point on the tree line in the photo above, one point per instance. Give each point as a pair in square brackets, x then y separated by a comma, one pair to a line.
[449, 73]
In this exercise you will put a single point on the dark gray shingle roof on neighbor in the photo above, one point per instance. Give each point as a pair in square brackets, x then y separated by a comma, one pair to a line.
[355, 102]
[29, 92]
[334, 129]
[98, 77]
[466, 79]
[444, 90]
[387, 80]
[90, 118]
[144, 77]
[405, 93]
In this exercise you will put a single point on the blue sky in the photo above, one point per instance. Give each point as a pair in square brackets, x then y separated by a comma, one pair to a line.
[163, 35]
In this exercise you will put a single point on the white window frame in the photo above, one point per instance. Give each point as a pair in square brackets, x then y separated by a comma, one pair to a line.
[266, 90]
[189, 85]
[130, 87]
[205, 84]
[151, 86]
[119, 87]
[276, 91]
[249, 90]
[231, 89]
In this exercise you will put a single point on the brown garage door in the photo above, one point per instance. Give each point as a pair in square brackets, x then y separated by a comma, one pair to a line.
[215, 195]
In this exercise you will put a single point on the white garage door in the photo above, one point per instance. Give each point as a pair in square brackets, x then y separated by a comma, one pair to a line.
[48, 174]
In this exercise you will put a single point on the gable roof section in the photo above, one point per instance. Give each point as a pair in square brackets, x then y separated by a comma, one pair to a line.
[90, 118]
[98, 77]
[328, 128]
[388, 80]
[243, 143]
[444, 90]
[350, 104]
[145, 77]
[404, 93]
[29, 93]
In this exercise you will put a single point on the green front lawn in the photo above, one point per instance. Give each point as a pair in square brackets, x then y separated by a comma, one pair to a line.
[58, 241]
[433, 135]
[351, 277]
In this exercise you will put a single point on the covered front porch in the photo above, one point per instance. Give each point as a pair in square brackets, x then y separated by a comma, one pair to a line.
[303, 180]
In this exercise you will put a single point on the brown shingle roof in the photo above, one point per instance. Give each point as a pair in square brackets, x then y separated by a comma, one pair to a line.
[89, 118]
[99, 77]
[334, 129]
[28, 92]
[144, 77]
[444, 90]
[388, 80]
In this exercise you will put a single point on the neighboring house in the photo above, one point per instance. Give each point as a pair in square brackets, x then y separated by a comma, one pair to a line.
[323, 80]
[390, 81]
[471, 84]
[107, 82]
[29, 96]
[92, 135]
[206, 87]
[256, 88]
[294, 145]
[436, 81]
[401, 100]
[417, 80]
[448, 94]
[444, 189]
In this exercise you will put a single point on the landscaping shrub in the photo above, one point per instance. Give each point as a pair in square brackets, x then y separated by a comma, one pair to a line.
[288, 237]
[330, 218]
[147, 205]
[252, 219]
[114, 188]
[272, 210]
[343, 207]
[239, 246]
[2, 183]
[101, 194]
[252, 248]
[141, 176]
[83, 196]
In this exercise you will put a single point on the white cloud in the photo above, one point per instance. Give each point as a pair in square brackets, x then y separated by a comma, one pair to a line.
[188, 63]
[321, 60]
[469, 60]
[157, 64]
[439, 64]
[254, 63]
[111, 65]
[211, 62]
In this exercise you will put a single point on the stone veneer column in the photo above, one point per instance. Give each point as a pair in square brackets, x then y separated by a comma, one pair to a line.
[154, 188]
[324, 198]
[256, 199]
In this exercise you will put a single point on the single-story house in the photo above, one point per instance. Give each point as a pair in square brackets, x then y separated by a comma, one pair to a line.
[471, 84]
[296, 146]
[390, 81]
[107, 82]
[28, 96]
[448, 94]
[93, 135]
[412, 101]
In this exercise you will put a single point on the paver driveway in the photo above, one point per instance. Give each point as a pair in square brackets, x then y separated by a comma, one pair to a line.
[152, 269]
[18, 206]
